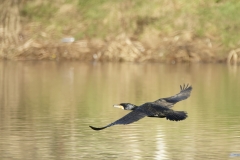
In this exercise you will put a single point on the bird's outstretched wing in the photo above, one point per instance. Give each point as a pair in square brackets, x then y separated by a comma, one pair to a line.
[182, 95]
[127, 119]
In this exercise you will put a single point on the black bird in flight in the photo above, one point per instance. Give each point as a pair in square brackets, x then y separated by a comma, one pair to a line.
[160, 108]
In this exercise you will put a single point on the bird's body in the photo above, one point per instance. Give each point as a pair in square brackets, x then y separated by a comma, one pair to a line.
[160, 108]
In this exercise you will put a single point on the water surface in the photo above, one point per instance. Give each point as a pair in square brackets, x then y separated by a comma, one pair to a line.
[46, 108]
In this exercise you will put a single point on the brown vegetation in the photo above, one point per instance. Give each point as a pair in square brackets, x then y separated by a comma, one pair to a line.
[179, 48]
[133, 31]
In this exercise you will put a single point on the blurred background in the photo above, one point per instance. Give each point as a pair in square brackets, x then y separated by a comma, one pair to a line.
[121, 30]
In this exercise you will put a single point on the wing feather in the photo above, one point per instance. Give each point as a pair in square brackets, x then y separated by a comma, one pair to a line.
[127, 119]
[184, 93]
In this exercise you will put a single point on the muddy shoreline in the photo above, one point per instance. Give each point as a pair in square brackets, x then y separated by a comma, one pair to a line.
[123, 48]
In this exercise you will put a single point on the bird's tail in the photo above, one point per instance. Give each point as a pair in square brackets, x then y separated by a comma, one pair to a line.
[176, 115]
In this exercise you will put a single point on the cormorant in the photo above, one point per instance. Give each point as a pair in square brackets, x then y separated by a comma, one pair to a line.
[160, 108]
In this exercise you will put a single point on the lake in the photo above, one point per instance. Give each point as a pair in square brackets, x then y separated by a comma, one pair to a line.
[46, 109]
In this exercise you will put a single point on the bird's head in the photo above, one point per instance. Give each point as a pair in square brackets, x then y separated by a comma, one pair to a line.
[125, 106]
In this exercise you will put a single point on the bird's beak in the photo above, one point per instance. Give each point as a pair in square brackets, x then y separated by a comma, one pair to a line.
[118, 106]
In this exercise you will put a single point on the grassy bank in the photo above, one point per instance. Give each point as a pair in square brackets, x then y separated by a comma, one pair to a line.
[131, 30]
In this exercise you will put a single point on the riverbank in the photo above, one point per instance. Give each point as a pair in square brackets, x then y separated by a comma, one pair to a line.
[135, 31]
[175, 49]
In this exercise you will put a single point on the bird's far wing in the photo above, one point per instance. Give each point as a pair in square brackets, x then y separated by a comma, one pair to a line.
[182, 95]
[127, 119]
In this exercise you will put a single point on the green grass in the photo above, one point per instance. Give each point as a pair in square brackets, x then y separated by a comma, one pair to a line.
[221, 20]
[42, 12]
[103, 18]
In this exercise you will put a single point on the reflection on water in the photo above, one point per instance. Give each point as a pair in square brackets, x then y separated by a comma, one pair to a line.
[46, 107]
